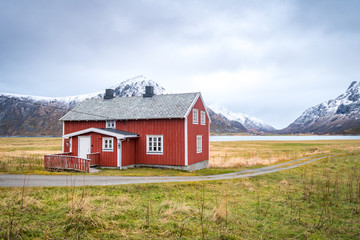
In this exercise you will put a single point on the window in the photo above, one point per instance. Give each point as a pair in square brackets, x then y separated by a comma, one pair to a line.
[154, 144]
[110, 124]
[202, 118]
[108, 144]
[195, 116]
[198, 143]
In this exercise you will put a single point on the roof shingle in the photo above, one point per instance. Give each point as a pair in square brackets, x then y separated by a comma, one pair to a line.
[130, 108]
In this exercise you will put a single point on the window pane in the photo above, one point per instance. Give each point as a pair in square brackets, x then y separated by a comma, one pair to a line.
[154, 144]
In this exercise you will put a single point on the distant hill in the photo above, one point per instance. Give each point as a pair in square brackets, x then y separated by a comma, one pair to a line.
[252, 124]
[220, 124]
[22, 115]
[337, 116]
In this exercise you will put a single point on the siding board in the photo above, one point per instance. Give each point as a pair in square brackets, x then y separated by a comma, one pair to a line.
[171, 129]
[193, 131]
[134, 150]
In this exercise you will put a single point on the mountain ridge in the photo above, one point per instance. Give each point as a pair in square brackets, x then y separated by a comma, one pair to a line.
[252, 124]
[26, 115]
[334, 116]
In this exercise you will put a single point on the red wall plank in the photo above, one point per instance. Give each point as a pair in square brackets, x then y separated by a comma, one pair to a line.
[193, 131]
[171, 129]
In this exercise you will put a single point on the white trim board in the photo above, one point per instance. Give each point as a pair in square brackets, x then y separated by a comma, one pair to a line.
[186, 143]
[193, 104]
[100, 131]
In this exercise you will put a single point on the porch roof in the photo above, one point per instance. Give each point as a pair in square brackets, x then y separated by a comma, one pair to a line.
[106, 131]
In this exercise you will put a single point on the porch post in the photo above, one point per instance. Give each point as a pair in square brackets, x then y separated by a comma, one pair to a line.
[119, 143]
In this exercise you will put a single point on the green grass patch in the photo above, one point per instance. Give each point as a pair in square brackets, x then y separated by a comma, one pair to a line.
[320, 200]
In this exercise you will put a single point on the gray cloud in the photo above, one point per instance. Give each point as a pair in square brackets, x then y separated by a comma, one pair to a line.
[271, 59]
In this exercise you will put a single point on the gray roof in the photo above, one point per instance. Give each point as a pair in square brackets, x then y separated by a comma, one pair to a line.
[130, 108]
[117, 131]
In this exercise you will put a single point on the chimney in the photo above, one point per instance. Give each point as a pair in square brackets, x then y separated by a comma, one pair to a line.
[109, 94]
[149, 91]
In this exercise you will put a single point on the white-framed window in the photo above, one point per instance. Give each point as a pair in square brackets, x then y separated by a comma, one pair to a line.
[195, 116]
[202, 118]
[154, 144]
[198, 143]
[108, 144]
[111, 124]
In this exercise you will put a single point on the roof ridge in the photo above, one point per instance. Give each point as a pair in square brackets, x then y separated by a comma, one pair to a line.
[162, 106]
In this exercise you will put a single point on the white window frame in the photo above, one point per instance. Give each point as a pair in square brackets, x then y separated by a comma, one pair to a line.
[195, 113]
[111, 124]
[199, 144]
[108, 144]
[202, 118]
[152, 141]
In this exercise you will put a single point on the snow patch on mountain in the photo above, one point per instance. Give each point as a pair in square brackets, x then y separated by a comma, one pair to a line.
[26, 115]
[128, 88]
[68, 99]
[346, 103]
[333, 116]
[251, 123]
[136, 87]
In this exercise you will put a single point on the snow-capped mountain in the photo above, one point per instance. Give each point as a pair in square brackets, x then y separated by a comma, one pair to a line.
[252, 124]
[136, 87]
[340, 115]
[128, 88]
[222, 125]
[22, 115]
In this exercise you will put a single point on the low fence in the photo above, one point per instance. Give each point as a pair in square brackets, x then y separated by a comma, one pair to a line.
[64, 161]
[94, 158]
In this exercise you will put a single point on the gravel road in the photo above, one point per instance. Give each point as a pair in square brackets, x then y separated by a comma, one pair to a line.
[11, 180]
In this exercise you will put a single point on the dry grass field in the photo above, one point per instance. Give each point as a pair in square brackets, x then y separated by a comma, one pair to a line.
[259, 153]
[25, 155]
[320, 200]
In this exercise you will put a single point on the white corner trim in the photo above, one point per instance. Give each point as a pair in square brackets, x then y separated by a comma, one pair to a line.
[194, 102]
[209, 142]
[63, 131]
[192, 105]
[202, 100]
[186, 143]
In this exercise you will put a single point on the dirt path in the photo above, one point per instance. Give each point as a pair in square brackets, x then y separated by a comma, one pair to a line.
[10, 180]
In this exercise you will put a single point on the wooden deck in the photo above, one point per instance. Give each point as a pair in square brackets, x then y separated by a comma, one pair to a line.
[64, 161]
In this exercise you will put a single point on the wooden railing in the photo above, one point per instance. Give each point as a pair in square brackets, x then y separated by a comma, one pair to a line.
[64, 154]
[64, 161]
[94, 158]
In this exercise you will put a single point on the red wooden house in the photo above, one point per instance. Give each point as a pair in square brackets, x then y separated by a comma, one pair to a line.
[168, 130]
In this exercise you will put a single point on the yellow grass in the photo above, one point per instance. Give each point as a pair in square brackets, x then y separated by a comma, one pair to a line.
[248, 153]
[25, 155]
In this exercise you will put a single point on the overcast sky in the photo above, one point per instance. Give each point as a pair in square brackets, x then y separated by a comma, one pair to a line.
[269, 59]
